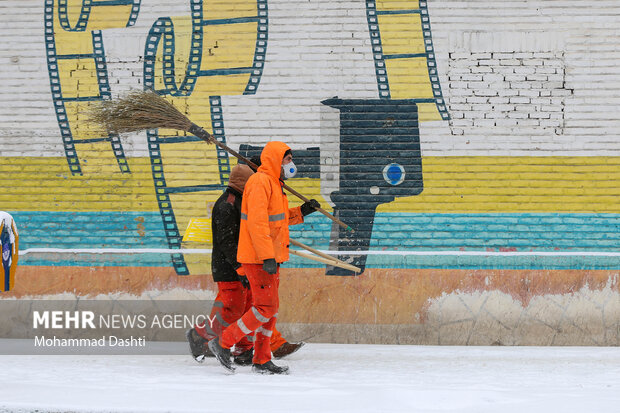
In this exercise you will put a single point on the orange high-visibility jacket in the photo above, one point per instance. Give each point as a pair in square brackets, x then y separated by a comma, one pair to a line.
[265, 215]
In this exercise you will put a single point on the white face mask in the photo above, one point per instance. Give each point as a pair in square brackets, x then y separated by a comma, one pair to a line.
[290, 170]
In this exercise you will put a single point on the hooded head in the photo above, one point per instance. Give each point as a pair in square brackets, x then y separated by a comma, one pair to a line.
[239, 176]
[271, 158]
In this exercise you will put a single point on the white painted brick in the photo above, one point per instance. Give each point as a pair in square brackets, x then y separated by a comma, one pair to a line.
[484, 122]
[506, 122]
[517, 115]
[462, 122]
[538, 77]
[529, 93]
[525, 70]
[508, 92]
[456, 107]
[485, 92]
[520, 100]
[481, 69]
[488, 62]
[511, 62]
[533, 62]
[472, 77]
[477, 99]
[504, 108]
[494, 115]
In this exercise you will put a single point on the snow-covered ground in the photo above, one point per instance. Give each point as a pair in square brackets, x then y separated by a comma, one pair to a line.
[324, 378]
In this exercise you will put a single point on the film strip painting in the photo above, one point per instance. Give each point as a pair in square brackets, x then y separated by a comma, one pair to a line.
[222, 47]
[405, 64]
[78, 71]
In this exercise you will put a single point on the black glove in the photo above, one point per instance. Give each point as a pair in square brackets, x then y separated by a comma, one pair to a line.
[244, 281]
[270, 266]
[309, 207]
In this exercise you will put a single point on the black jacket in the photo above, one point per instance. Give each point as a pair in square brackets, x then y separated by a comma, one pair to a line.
[225, 223]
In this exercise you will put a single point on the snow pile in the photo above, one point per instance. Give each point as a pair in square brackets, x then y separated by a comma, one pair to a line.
[587, 317]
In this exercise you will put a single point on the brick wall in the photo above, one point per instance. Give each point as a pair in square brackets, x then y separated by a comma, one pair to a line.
[476, 135]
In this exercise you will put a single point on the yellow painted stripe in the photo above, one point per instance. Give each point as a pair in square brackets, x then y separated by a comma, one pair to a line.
[229, 9]
[397, 4]
[190, 164]
[218, 85]
[45, 184]
[101, 17]
[427, 111]
[401, 33]
[451, 185]
[229, 46]
[409, 79]
[515, 184]
[71, 42]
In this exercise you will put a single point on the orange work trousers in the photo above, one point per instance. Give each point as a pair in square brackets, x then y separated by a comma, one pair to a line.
[261, 317]
[232, 301]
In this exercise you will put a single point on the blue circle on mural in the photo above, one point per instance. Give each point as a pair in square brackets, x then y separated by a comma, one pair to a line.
[394, 174]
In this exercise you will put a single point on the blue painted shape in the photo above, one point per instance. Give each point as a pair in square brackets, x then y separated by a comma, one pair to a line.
[234, 20]
[394, 174]
[225, 72]
[373, 133]
[406, 11]
[404, 55]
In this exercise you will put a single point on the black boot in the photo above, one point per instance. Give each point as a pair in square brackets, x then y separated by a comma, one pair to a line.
[245, 358]
[287, 349]
[221, 354]
[197, 345]
[269, 368]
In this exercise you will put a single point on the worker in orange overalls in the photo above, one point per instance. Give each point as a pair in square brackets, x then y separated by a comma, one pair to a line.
[234, 296]
[263, 246]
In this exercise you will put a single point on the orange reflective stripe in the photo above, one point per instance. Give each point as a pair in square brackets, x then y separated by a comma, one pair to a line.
[259, 316]
[242, 327]
[264, 331]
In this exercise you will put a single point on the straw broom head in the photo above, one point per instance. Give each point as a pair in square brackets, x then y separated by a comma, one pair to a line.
[137, 111]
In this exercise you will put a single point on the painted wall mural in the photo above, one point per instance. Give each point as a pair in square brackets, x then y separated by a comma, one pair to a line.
[468, 159]
[220, 50]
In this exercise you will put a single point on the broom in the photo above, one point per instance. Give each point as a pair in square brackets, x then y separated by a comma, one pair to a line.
[141, 110]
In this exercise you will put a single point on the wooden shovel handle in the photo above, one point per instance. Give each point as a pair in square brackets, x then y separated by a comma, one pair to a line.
[325, 261]
[321, 254]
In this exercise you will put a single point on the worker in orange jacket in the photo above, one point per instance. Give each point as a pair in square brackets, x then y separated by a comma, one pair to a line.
[234, 296]
[263, 246]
